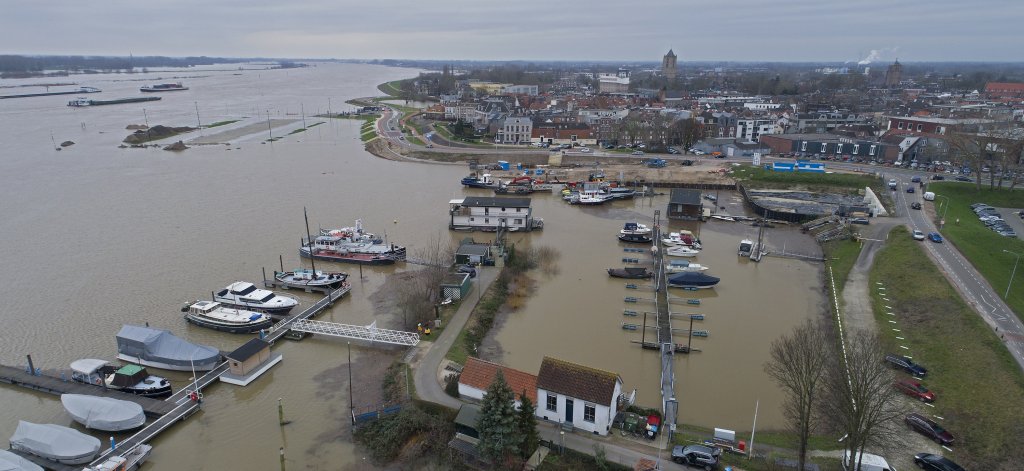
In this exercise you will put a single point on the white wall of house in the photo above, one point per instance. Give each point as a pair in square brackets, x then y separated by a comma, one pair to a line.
[596, 418]
[515, 218]
[477, 395]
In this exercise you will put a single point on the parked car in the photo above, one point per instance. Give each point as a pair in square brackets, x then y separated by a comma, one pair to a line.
[962, 178]
[938, 177]
[892, 183]
[930, 462]
[467, 269]
[935, 237]
[915, 205]
[928, 428]
[673, 150]
[864, 221]
[906, 364]
[918, 235]
[585, 150]
[915, 390]
[697, 455]
[638, 152]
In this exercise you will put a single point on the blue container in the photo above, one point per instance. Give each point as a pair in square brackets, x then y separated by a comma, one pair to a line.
[540, 171]
[519, 166]
[503, 164]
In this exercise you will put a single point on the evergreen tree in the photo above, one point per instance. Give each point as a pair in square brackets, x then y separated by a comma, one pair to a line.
[527, 423]
[500, 438]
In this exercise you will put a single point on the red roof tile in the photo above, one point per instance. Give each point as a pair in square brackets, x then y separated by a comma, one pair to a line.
[480, 374]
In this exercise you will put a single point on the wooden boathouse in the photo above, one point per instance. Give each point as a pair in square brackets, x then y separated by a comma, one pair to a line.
[685, 204]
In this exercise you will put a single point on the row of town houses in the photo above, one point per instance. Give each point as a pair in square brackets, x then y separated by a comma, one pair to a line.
[744, 124]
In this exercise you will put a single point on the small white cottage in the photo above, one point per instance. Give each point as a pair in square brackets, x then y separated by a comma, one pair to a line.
[579, 395]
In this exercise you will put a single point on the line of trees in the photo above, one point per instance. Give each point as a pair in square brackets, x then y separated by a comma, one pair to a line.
[849, 390]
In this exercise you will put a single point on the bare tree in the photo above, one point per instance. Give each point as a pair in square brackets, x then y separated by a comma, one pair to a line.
[798, 362]
[999, 147]
[858, 397]
[418, 294]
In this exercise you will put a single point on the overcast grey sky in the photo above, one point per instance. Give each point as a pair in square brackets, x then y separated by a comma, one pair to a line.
[623, 30]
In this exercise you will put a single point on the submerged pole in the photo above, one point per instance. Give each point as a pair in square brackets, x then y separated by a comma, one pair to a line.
[31, 367]
[282, 458]
[351, 404]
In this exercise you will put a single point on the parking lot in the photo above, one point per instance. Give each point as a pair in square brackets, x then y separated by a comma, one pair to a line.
[1011, 217]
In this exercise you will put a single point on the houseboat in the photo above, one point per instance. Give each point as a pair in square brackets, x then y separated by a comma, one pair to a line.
[245, 295]
[479, 213]
[213, 315]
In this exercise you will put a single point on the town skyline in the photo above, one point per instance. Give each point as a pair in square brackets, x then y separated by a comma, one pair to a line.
[787, 31]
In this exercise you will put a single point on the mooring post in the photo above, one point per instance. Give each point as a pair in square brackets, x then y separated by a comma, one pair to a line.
[282, 458]
[31, 367]
[113, 444]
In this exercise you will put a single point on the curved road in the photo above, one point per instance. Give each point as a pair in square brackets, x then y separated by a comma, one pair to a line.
[962, 275]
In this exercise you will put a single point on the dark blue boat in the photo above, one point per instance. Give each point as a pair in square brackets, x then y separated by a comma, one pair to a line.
[689, 279]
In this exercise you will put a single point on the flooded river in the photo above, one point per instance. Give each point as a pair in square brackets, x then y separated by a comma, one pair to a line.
[94, 237]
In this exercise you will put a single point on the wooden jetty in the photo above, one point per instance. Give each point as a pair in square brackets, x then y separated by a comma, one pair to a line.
[50, 384]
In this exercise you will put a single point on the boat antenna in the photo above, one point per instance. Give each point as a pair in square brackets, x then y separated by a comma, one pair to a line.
[309, 240]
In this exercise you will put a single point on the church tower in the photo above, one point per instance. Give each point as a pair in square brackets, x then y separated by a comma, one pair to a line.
[893, 75]
[668, 65]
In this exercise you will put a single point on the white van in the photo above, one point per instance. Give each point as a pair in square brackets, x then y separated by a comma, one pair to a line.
[929, 196]
[868, 462]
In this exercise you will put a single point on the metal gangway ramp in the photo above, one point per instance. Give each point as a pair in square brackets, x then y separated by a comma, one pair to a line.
[368, 333]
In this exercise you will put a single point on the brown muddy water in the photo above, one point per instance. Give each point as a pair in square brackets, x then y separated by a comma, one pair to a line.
[94, 237]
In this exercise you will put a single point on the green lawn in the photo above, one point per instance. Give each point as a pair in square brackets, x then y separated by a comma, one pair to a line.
[980, 245]
[978, 385]
[394, 89]
[415, 140]
[842, 255]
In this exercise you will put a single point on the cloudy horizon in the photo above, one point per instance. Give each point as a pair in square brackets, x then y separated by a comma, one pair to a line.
[571, 30]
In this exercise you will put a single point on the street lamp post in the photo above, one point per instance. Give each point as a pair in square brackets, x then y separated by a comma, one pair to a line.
[1012, 273]
[942, 219]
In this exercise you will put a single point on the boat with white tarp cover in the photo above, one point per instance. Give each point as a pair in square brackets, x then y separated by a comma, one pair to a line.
[103, 413]
[55, 443]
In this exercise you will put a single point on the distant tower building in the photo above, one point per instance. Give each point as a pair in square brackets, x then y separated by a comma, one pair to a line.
[668, 65]
[894, 74]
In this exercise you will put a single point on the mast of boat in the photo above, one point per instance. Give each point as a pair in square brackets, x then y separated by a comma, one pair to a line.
[309, 240]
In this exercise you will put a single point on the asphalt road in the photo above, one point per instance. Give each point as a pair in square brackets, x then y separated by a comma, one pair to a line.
[971, 285]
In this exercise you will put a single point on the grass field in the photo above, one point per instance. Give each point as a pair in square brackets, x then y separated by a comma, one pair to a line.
[981, 246]
[847, 180]
[393, 89]
[979, 387]
[841, 255]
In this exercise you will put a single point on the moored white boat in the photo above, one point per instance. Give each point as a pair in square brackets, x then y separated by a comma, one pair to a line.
[132, 379]
[306, 278]
[679, 266]
[634, 228]
[681, 251]
[681, 238]
[213, 315]
[245, 295]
